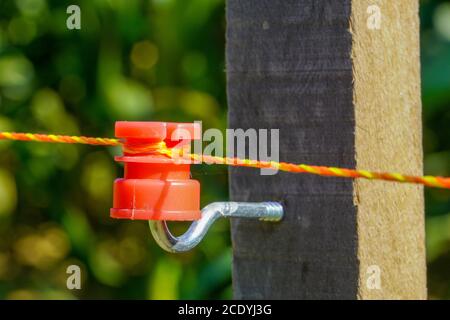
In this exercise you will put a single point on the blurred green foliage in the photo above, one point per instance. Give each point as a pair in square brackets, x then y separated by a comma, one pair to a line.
[142, 60]
[435, 43]
[131, 60]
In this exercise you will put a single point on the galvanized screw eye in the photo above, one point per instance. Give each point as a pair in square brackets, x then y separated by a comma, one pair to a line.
[264, 211]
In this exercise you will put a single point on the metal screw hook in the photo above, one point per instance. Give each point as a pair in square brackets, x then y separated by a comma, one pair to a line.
[266, 211]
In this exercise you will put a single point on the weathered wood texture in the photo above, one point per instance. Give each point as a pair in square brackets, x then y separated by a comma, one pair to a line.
[388, 136]
[343, 95]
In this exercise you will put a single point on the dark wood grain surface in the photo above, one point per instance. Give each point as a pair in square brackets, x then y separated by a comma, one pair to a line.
[289, 67]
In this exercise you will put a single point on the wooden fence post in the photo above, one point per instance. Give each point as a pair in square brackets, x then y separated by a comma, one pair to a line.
[341, 80]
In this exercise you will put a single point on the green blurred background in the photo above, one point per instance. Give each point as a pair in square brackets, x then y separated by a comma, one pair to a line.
[142, 60]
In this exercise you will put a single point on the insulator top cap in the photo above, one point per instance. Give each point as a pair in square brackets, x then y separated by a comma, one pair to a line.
[158, 131]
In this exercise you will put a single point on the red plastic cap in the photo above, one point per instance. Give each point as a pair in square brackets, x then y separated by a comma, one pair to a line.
[158, 131]
[155, 187]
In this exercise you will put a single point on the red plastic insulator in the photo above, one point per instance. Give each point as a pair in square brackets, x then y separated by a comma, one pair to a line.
[155, 187]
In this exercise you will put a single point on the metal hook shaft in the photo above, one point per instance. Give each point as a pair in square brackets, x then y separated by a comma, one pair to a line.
[267, 211]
